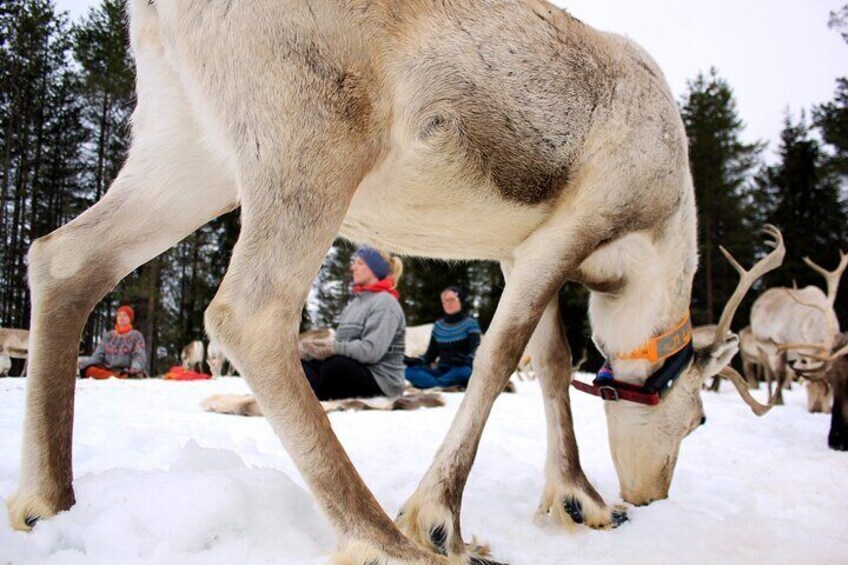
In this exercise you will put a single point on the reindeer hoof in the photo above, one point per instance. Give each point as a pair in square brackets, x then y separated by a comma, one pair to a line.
[439, 539]
[362, 552]
[567, 506]
[25, 509]
[574, 509]
[619, 516]
[483, 561]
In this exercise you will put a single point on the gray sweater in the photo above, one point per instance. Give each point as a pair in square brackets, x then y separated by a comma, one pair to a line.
[372, 330]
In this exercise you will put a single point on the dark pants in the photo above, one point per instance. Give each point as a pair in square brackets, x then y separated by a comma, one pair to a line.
[338, 377]
[443, 376]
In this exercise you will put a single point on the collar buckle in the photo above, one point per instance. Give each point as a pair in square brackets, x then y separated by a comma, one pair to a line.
[608, 392]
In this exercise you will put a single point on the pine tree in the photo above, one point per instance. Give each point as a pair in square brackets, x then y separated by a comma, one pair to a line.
[839, 21]
[802, 195]
[101, 49]
[721, 166]
[40, 133]
[332, 287]
[831, 119]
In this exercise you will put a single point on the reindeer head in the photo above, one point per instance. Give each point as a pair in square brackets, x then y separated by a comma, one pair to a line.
[645, 440]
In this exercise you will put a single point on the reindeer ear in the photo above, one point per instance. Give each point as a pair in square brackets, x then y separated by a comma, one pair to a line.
[717, 356]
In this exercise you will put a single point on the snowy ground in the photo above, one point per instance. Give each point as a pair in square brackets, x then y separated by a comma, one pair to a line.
[160, 481]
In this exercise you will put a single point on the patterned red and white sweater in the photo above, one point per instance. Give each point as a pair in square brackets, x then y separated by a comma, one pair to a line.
[120, 352]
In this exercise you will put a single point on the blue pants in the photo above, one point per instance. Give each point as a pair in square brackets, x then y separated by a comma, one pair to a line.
[422, 376]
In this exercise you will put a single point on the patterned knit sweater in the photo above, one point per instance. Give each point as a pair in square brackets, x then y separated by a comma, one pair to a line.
[454, 341]
[119, 352]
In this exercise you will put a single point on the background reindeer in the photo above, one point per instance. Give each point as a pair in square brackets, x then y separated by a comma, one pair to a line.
[14, 344]
[462, 130]
[752, 366]
[191, 357]
[787, 322]
[216, 359]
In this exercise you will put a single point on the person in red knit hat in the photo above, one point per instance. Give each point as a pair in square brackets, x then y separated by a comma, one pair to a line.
[121, 352]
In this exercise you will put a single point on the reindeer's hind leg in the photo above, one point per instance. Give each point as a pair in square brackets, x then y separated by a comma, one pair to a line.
[542, 264]
[168, 188]
[568, 495]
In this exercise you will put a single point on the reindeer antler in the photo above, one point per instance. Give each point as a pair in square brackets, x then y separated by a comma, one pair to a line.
[748, 277]
[742, 388]
[830, 358]
[831, 277]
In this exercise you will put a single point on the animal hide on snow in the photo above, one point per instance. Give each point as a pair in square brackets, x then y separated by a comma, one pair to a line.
[246, 405]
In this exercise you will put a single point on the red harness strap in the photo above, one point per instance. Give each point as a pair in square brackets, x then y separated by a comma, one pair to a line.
[618, 390]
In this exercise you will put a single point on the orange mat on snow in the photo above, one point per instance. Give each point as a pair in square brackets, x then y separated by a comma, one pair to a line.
[179, 374]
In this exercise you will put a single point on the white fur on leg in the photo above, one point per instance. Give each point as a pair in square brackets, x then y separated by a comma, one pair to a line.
[26, 506]
[360, 552]
[418, 521]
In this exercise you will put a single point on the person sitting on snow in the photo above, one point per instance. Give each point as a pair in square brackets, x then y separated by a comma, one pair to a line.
[365, 359]
[453, 343]
[121, 353]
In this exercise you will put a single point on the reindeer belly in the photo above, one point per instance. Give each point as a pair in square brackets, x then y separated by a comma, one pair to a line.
[415, 203]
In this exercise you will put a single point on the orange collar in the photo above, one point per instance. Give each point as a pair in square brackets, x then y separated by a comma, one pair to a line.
[665, 345]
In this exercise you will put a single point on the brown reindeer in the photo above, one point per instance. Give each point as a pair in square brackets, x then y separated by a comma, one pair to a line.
[837, 378]
[504, 130]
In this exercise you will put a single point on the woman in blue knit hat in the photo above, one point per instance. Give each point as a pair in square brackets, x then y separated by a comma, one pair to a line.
[453, 343]
[365, 358]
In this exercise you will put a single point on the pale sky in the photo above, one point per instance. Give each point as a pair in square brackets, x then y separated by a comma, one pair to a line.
[776, 54]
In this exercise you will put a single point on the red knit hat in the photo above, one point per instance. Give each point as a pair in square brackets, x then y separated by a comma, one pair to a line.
[128, 311]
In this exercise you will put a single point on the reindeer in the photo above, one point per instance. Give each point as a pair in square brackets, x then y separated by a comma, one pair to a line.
[14, 344]
[5, 365]
[215, 358]
[787, 322]
[505, 131]
[837, 378]
[752, 366]
[191, 356]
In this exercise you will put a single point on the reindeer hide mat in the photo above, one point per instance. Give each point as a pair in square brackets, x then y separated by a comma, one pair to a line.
[246, 405]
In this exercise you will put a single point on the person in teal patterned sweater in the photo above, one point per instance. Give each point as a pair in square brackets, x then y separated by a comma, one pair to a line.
[452, 347]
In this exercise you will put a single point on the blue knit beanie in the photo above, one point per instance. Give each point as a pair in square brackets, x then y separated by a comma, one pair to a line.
[457, 291]
[379, 266]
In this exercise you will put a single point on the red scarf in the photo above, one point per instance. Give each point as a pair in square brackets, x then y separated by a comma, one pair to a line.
[123, 330]
[385, 285]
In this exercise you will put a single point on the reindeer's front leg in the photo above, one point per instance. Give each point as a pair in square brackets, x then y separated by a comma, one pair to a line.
[568, 494]
[543, 262]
